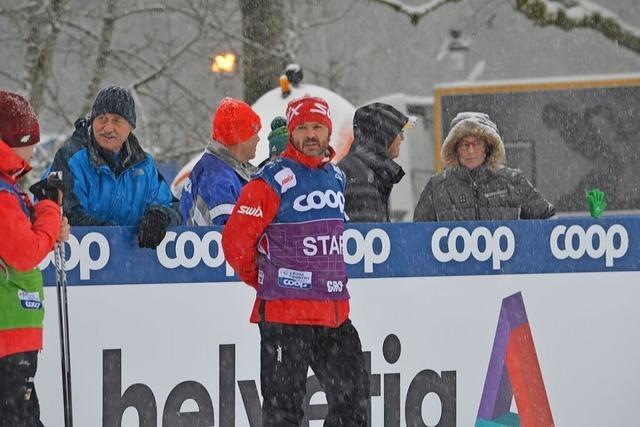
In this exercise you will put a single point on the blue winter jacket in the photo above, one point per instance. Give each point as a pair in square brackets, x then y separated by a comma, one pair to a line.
[214, 185]
[103, 191]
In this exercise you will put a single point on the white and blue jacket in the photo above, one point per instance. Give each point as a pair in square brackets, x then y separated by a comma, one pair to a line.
[213, 187]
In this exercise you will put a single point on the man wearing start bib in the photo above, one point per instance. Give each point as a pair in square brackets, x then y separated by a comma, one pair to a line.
[284, 238]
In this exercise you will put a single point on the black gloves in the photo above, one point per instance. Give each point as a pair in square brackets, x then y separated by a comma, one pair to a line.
[153, 227]
[50, 188]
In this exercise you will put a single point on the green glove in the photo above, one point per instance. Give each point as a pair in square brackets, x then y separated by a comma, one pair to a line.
[597, 205]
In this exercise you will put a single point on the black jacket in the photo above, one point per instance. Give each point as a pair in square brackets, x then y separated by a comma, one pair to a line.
[370, 173]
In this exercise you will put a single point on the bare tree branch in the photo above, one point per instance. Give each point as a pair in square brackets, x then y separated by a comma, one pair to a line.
[11, 77]
[238, 37]
[100, 66]
[570, 14]
[143, 10]
[70, 24]
[415, 13]
[180, 121]
[58, 109]
[40, 48]
[18, 11]
[117, 55]
[329, 19]
[564, 14]
[167, 63]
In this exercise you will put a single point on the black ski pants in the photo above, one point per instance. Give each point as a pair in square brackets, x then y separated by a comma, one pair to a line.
[334, 355]
[18, 400]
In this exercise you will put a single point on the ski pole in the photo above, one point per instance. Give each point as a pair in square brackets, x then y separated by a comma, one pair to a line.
[63, 321]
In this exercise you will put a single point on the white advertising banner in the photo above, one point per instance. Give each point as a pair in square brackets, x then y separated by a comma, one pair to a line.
[162, 355]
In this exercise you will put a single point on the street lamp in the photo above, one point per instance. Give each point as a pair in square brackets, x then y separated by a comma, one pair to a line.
[224, 64]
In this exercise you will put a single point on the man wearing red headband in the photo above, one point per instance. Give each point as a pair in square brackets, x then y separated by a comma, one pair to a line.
[284, 238]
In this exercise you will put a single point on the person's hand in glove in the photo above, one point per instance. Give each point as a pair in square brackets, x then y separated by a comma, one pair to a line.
[153, 227]
[50, 188]
[596, 202]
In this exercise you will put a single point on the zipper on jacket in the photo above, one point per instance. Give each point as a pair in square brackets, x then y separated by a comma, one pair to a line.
[475, 193]
[475, 198]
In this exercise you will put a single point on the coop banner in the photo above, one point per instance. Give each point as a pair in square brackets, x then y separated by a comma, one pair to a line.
[110, 255]
[462, 324]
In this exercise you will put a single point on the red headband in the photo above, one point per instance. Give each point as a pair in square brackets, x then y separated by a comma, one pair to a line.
[308, 109]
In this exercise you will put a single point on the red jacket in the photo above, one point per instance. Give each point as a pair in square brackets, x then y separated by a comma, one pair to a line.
[240, 240]
[24, 244]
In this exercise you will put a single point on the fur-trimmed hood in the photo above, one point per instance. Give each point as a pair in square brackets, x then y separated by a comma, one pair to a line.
[481, 126]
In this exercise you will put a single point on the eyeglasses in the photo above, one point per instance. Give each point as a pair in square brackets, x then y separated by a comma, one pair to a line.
[465, 145]
[401, 134]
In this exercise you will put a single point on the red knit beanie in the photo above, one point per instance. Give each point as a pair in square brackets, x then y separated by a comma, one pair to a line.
[18, 123]
[308, 109]
[234, 122]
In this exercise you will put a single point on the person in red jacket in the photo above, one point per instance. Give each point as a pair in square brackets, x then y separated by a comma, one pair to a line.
[284, 238]
[28, 235]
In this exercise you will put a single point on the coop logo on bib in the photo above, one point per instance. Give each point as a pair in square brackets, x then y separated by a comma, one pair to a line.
[295, 279]
[29, 300]
[319, 200]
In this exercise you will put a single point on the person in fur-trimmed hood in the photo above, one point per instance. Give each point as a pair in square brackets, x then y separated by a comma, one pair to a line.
[371, 172]
[475, 184]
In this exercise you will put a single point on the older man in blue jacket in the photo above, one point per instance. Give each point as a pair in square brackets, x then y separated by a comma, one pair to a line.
[110, 178]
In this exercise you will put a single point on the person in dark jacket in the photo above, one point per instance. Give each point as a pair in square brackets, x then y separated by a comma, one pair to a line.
[214, 184]
[371, 172]
[110, 179]
[29, 233]
[475, 184]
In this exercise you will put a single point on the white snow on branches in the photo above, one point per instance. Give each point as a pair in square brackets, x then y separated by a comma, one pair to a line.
[415, 12]
[566, 14]
[422, 9]
[579, 11]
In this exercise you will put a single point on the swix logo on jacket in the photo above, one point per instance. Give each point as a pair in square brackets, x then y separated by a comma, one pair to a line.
[305, 255]
[251, 211]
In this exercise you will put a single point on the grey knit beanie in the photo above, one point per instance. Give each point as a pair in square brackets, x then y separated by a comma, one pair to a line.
[115, 100]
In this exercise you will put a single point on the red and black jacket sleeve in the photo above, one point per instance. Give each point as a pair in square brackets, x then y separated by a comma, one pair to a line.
[255, 209]
[24, 244]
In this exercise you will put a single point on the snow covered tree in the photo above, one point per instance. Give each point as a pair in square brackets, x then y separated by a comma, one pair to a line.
[564, 14]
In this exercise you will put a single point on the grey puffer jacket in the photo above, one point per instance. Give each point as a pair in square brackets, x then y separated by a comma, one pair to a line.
[458, 194]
